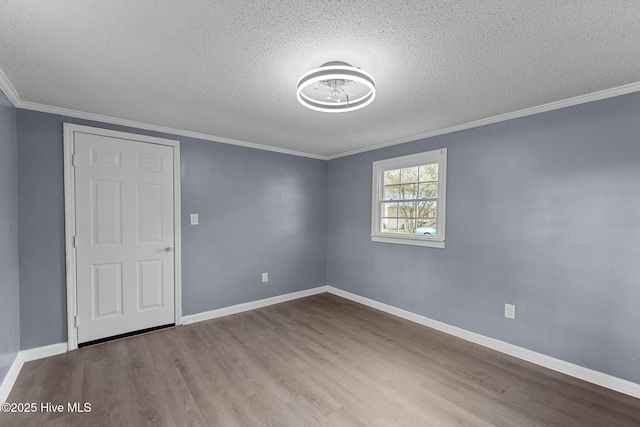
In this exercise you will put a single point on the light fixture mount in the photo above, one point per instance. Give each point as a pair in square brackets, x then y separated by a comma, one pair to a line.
[336, 87]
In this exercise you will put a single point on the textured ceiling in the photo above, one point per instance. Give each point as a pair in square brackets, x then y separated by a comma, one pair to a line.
[228, 68]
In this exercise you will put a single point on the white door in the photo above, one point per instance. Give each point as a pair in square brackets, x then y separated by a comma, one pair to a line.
[124, 235]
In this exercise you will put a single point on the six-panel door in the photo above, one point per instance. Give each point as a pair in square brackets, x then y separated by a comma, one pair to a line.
[124, 235]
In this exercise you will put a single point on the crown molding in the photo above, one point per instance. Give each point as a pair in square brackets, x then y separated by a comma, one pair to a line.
[163, 129]
[9, 90]
[15, 99]
[582, 99]
[12, 94]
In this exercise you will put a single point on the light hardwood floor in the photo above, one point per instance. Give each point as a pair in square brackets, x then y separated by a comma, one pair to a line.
[316, 361]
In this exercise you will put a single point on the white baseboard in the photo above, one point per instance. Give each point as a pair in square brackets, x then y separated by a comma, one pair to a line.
[42, 352]
[239, 308]
[55, 349]
[586, 374]
[10, 378]
[23, 357]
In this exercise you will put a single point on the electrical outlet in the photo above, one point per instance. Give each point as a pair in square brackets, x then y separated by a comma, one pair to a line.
[194, 219]
[265, 277]
[510, 311]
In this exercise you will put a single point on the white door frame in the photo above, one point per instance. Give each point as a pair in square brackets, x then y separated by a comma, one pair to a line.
[70, 218]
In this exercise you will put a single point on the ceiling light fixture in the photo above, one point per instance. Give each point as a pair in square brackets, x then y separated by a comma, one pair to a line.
[336, 87]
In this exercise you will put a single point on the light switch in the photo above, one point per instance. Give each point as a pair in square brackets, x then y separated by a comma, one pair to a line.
[194, 219]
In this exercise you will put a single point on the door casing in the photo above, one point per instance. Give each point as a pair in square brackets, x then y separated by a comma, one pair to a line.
[70, 220]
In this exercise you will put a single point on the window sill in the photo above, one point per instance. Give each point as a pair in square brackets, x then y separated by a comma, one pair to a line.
[408, 240]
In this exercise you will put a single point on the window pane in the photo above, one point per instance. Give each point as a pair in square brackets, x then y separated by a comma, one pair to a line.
[407, 210]
[406, 226]
[428, 190]
[392, 177]
[427, 210]
[389, 225]
[409, 198]
[409, 174]
[391, 192]
[389, 209]
[409, 191]
[429, 172]
[426, 227]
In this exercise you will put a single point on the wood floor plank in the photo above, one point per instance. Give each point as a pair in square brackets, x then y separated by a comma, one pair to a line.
[316, 361]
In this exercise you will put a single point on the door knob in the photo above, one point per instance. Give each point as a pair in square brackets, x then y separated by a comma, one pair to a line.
[168, 249]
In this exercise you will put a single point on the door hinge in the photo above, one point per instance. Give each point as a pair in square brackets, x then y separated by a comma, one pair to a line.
[75, 320]
[73, 160]
[75, 241]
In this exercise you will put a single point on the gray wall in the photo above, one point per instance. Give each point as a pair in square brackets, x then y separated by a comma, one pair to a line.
[542, 212]
[259, 212]
[9, 289]
[41, 230]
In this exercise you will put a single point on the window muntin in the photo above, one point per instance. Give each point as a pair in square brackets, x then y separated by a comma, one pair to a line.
[408, 199]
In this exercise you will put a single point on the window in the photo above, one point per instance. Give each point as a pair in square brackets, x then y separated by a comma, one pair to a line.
[408, 204]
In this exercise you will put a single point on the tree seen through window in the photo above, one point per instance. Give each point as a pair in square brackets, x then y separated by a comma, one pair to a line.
[410, 200]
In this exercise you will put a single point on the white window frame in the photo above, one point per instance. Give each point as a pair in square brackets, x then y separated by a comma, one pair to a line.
[435, 156]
